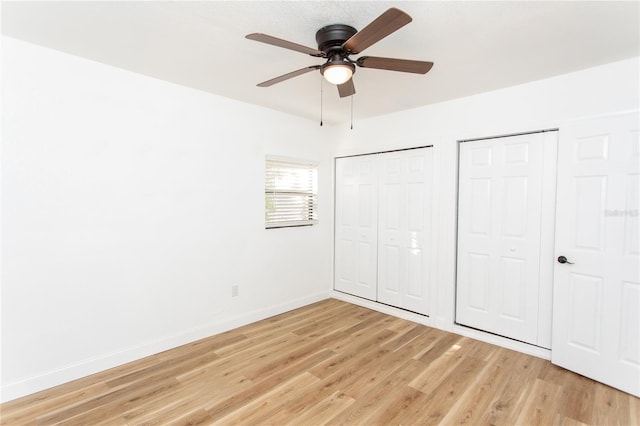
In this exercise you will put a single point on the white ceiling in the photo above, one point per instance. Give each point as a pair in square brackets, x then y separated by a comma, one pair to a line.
[476, 46]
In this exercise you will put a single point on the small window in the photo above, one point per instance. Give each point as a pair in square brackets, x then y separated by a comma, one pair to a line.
[290, 192]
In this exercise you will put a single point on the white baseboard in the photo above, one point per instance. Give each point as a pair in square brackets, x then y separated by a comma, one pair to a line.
[87, 367]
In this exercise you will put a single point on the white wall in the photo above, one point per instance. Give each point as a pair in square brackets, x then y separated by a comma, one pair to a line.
[130, 206]
[534, 106]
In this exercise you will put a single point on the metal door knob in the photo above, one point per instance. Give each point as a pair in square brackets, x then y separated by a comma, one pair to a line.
[562, 259]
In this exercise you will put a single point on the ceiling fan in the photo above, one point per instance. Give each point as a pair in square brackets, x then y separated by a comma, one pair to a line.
[337, 42]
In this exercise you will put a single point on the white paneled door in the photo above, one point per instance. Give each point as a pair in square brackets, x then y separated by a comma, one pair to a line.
[404, 224]
[505, 235]
[356, 226]
[596, 300]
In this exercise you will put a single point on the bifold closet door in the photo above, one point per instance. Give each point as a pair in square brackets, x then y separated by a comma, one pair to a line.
[356, 226]
[404, 224]
[382, 227]
[505, 235]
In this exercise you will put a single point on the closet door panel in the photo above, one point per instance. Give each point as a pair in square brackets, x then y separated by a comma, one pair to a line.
[356, 226]
[500, 223]
[404, 229]
[418, 237]
[392, 207]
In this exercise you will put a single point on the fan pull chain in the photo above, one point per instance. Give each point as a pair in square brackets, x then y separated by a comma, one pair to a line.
[321, 93]
[352, 112]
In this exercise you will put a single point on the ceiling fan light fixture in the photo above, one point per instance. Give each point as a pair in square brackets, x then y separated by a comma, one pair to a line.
[337, 71]
[336, 42]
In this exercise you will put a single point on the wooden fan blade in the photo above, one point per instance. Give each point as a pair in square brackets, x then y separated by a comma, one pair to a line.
[390, 21]
[346, 89]
[264, 38]
[403, 65]
[288, 76]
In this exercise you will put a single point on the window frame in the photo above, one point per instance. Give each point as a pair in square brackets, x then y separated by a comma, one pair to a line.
[303, 198]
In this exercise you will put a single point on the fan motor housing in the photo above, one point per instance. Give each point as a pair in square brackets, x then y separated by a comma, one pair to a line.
[332, 36]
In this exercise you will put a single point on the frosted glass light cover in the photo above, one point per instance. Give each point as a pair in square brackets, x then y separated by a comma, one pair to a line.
[337, 74]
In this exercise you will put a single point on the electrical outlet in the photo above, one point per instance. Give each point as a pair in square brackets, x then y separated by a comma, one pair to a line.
[235, 291]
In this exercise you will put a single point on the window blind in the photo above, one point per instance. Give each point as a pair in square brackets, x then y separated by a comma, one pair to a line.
[290, 191]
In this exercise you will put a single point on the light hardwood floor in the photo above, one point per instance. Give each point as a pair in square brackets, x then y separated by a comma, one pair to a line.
[330, 363]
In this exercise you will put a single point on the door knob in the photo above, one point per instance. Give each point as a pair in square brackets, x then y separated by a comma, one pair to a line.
[562, 259]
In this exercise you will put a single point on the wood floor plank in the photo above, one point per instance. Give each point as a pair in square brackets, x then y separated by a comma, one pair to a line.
[442, 345]
[441, 393]
[577, 393]
[336, 402]
[403, 408]
[188, 397]
[353, 355]
[23, 415]
[261, 408]
[510, 397]
[330, 363]
[375, 400]
[262, 386]
[381, 368]
[312, 398]
[404, 337]
[194, 418]
[436, 371]
[305, 348]
[114, 402]
[472, 403]
[541, 406]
